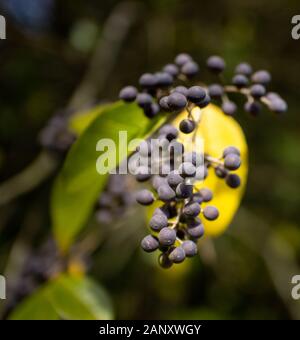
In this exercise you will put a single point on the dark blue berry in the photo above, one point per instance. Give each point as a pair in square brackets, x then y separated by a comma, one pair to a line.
[216, 91]
[240, 80]
[177, 101]
[231, 149]
[152, 110]
[182, 59]
[166, 193]
[206, 194]
[253, 107]
[184, 190]
[187, 126]
[128, 94]
[187, 169]
[158, 222]
[181, 89]
[143, 174]
[196, 231]
[169, 131]
[220, 172]
[106, 200]
[272, 95]
[229, 108]
[278, 105]
[172, 69]
[216, 64]
[149, 243]
[197, 198]
[167, 236]
[232, 161]
[190, 248]
[145, 197]
[196, 93]
[233, 181]
[177, 255]
[211, 213]
[163, 103]
[192, 209]
[257, 91]
[190, 69]
[243, 68]
[204, 102]
[144, 100]
[161, 211]
[195, 222]
[164, 79]
[164, 261]
[174, 178]
[148, 80]
[261, 77]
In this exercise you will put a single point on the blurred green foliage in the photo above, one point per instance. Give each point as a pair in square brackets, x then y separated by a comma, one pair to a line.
[78, 186]
[67, 297]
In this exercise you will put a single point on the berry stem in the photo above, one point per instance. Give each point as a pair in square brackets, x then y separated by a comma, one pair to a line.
[179, 240]
[234, 89]
[265, 101]
[225, 98]
[199, 112]
[175, 223]
[213, 160]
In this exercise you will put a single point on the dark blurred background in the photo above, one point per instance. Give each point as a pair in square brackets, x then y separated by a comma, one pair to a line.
[67, 54]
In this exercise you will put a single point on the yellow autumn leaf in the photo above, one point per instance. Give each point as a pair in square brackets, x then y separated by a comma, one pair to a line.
[217, 132]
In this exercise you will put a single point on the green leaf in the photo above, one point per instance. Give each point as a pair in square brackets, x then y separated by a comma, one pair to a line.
[78, 185]
[81, 120]
[36, 307]
[67, 297]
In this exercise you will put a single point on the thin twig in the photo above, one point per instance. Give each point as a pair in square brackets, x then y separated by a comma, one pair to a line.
[106, 53]
[42, 167]
[213, 160]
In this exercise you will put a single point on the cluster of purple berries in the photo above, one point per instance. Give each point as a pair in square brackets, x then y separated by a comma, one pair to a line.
[164, 91]
[176, 225]
[167, 90]
[56, 136]
[39, 266]
[253, 85]
[225, 166]
[115, 199]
